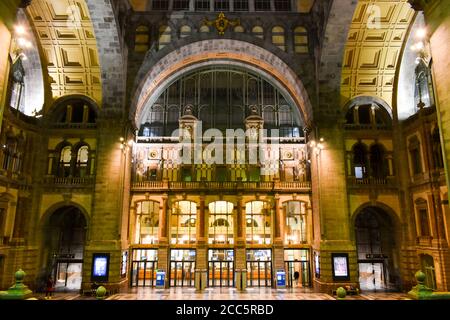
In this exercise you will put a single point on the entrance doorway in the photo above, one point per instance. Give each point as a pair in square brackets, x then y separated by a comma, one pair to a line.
[182, 267]
[375, 243]
[297, 268]
[221, 268]
[259, 268]
[427, 265]
[144, 267]
[64, 246]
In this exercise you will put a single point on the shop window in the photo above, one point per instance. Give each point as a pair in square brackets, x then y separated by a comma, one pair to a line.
[258, 222]
[147, 222]
[278, 38]
[301, 40]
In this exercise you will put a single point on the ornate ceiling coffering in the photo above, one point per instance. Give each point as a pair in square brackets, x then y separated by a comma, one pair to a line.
[373, 50]
[69, 47]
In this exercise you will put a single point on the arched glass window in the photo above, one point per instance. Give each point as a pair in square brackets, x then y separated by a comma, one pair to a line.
[82, 162]
[239, 29]
[360, 169]
[142, 39]
[220, 222]
[183, 222]
[378, 161]
[185, 31]
[258, 222]
[278, 38]
[165, 36]
[204, 29]
[301, 40]
[258, 32]
[17, 86]
[424, 85]
[295, 215]
[65, 161]
[147, 222]
[269, 116]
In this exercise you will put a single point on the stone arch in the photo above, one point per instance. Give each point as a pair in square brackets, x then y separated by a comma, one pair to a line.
[366, 99]
[218, 51]
[52, 209]
[65, 98]
[396, 221]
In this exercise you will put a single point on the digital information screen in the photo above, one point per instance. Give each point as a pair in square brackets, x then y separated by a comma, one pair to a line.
[100, 266]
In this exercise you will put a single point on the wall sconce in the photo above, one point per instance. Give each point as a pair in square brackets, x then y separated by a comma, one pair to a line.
[317, 146]
[125, 146]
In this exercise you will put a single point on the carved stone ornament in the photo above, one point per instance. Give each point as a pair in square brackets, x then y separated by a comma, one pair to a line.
[221, 23]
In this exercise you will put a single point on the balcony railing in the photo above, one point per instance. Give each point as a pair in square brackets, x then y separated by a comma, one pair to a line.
[69, 180]
[225, 185]
[369, 182]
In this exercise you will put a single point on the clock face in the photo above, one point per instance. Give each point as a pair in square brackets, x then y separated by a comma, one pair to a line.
[153, 154]
[288, 155]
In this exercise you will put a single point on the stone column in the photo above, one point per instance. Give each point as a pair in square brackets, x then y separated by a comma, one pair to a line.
[163, 249]
[330, 203]
[201, 265]
[278, 249]
[106, 224]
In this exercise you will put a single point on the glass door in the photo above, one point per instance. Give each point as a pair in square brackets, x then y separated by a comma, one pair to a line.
[182, 268]
[144, 267]
[297, 268]
[259, 268]
[221, 268]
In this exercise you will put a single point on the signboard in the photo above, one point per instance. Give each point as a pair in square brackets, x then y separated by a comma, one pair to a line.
[160, 279]
[281, 279]
[340, 266]
[100, 267]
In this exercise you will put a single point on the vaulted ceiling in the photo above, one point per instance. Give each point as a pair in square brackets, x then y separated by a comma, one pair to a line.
[373, 49]
[69, 47]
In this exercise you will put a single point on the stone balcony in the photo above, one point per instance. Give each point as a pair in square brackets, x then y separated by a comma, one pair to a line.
[285, 186]
[369, 183]
[69, 181]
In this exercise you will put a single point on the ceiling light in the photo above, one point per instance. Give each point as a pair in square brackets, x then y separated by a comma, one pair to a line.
[421, 33]
[19, 29]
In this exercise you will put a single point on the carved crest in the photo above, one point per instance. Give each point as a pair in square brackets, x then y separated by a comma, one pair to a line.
[221, 23]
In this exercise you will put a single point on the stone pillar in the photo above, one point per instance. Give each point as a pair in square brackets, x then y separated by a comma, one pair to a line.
[278, 249]
[239, 256]
[106, 229]
[163, 236]
[330, 204]
[201, 265]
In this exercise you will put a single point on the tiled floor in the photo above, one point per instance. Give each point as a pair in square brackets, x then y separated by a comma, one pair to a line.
[227, 294]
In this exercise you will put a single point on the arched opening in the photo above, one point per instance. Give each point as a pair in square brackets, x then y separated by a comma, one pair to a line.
[376, 249]
[64, 240]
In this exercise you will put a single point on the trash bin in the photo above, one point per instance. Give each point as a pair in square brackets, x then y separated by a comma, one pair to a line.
[160, 279]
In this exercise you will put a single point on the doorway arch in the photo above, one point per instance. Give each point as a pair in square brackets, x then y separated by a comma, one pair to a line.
[375, 236]
[64, 237]
[427, 267]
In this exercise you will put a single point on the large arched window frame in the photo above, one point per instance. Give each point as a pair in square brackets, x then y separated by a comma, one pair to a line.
[147, 222]
[82, 160]
[183, 222]
[220, 222]
[258, 215]
[295, 213]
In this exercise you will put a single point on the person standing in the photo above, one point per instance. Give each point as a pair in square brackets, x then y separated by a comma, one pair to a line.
[49, 288]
